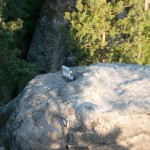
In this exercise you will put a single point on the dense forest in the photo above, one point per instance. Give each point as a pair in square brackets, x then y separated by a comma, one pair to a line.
[100, 31]
[17, 23]
[110, 31]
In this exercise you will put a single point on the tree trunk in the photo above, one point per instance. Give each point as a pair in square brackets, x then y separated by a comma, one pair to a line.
[103, 52]
[146, 4]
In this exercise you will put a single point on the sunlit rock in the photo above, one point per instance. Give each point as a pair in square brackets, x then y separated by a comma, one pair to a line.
[106, 107]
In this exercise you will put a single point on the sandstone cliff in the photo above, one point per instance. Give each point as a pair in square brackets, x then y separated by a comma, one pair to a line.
[107, 107]
[48, 47]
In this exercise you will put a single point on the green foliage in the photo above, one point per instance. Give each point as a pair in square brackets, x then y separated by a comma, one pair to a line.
[25, 10]
[109, 31]
[17, 19]
[14, 72]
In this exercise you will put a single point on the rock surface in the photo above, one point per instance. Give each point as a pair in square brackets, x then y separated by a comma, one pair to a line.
[48, 48]
[107, 107]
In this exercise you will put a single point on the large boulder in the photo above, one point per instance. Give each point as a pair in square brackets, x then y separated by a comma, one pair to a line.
[107, 107]
[48, 47]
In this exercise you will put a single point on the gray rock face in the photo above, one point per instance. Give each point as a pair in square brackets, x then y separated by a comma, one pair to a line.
[107, 107]
[48, 48]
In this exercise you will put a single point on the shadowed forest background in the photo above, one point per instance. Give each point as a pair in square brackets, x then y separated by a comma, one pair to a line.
[99, 31]
[17, 23]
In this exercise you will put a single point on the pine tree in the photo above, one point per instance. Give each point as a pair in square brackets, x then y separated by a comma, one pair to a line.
[132, 32]
[109, 31]
[14, 24]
